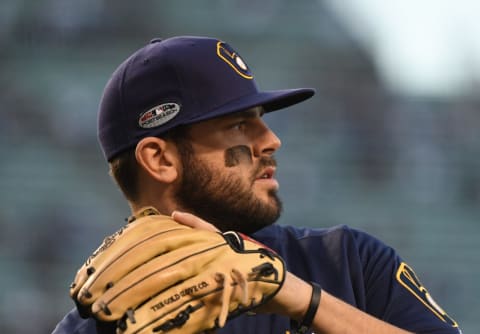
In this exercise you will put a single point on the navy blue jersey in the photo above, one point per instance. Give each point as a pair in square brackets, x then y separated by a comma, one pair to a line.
[347, 263]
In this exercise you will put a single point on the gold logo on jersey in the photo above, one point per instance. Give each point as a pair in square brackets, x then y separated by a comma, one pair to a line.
[233, 59]
[409, 280]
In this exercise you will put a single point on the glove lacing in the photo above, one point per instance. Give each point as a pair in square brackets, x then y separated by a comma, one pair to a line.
[229, 284]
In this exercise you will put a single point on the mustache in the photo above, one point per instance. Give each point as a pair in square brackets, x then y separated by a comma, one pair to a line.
[267, 162]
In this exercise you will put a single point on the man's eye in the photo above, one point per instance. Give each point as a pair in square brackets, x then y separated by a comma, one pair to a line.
[239, 126]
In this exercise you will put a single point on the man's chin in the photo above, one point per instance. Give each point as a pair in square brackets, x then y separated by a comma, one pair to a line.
[252, 221]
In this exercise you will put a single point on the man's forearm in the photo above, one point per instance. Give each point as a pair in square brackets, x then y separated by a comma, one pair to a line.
[333, 316]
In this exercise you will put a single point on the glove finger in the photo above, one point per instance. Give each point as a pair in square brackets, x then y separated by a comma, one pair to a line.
[155, 276]
[126, 260]
[242, 283]
[114, 245]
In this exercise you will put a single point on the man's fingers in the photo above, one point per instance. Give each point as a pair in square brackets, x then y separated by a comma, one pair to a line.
[193, 221]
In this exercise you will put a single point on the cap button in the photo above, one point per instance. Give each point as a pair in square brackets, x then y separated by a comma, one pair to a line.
[155, 40]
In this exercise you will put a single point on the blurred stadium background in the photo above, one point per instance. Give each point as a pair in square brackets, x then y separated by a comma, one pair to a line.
[390, 144]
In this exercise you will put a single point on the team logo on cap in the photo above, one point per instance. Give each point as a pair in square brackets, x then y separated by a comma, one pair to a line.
[158, 115]
[233, 59]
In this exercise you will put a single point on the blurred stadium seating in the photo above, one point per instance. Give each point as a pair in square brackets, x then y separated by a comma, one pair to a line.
[406, 169]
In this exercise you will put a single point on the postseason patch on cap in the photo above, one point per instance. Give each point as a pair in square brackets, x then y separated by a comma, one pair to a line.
[233, 59]
[158, 115]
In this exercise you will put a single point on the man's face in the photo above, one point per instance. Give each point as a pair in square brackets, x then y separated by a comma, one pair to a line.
[228, 177]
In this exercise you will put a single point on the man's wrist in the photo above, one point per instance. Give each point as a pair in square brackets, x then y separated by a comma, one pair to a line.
[304, 325]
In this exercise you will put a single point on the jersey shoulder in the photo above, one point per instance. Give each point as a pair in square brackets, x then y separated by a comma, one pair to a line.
[355, 242]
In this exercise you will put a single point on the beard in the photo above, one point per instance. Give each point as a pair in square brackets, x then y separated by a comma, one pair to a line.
[226, 201]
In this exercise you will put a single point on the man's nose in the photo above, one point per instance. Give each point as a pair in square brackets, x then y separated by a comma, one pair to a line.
[267, 142]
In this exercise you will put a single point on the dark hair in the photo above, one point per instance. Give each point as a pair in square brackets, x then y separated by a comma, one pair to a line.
[124, 167]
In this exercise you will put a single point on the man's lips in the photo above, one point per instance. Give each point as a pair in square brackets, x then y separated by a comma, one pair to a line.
[267, 173]
[267, 178]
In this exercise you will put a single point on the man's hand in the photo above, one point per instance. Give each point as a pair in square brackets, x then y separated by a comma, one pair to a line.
[193, 221]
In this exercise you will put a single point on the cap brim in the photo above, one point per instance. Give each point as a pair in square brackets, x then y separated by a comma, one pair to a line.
[270, 100]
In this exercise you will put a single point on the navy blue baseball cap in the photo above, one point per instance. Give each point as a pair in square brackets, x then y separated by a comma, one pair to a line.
[178, 81]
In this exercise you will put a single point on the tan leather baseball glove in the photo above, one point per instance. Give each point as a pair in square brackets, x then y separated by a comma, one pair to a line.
[158, 276]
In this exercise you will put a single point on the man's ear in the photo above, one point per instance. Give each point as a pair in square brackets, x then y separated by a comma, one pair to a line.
[158, 158]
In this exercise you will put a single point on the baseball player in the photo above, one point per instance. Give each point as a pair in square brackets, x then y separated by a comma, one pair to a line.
[180, 124]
